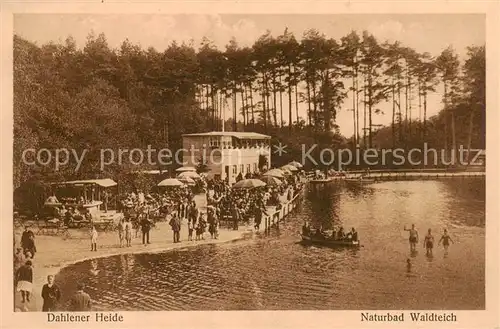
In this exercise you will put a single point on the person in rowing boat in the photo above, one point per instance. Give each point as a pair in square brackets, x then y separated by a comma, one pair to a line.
[446, 240]
[319, 234]
[306, 230]
[354, 235]
[334, 234]
[413, 237]
[341, 234]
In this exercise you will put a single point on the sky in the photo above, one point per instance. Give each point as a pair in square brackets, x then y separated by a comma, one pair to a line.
[424, 32]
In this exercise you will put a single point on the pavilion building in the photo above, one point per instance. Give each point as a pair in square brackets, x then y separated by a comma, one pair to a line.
[226, 154]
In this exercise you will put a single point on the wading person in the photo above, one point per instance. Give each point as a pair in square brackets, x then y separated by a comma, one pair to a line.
[145, 228]
[446, 240]
[429, 242]
[93, 239]
[81, 301]
[175, 224]
[413, 237]
[24, 278]
[51, 295]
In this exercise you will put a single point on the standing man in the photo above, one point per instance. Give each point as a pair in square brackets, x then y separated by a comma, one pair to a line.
[81, 301]
[413, 237]
[175, 224]
[51, 295]
[145, 227]
[236, 217]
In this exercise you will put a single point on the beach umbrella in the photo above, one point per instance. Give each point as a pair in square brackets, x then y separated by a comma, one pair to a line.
[188, 174]
[170, 182]
[286, 171]
[187, 180]
[249, 183]
[183, 169]
[275, 173]
[296, 164]
[289, 168]
[270, 180]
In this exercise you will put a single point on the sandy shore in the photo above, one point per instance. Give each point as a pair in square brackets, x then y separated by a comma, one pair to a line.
[54, 252]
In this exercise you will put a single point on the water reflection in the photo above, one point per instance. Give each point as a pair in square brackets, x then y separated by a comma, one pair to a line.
[276, 273]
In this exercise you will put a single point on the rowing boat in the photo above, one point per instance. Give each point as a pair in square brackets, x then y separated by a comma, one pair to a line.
[329, 243]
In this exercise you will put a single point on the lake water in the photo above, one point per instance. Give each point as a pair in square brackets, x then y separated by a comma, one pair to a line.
[275, 272]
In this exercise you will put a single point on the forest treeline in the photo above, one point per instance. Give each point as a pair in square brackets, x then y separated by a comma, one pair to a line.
[130, 97]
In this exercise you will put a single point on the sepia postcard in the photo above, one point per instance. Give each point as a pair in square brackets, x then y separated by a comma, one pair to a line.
[250, 164]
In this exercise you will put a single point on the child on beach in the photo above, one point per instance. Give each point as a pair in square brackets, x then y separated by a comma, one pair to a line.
[121, 231]
[128, 233]
[93, 239]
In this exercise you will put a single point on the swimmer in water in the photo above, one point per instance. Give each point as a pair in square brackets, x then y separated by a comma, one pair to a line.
[413, 237]
[429, 242]
[446, 240]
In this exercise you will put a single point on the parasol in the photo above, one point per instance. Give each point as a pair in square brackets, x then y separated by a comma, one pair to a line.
[270, 180]
[249, 183]
[296, 164]
[187, 180]
[289, 168]
[170, 182]
[275, 173]
[188, 174]
[183, 169]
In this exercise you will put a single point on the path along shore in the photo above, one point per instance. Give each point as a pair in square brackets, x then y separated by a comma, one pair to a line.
[55, 253]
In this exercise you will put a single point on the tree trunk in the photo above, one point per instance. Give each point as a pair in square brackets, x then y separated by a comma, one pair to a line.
[235, 111]
[406, 109]
[370, 110]
[420, 104]
[309, 104]
[296, 103]
[243, 106]
[393, 114]
[425, 115]
[354, 109]
[357, 108]
[315, 105]
[290, 97]
[445, 119]
[400, 116]
[251, 103]
[326, 101]
[453, 138]
[281, 104]
[469, 138]
[364, 111]
[409, 106]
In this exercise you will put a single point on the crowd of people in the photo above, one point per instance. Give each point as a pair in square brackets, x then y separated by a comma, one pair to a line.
[176, 207]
